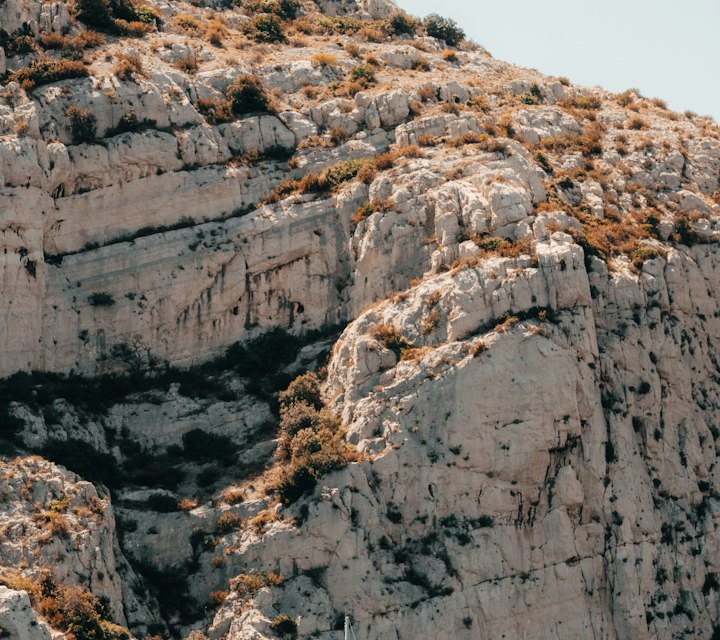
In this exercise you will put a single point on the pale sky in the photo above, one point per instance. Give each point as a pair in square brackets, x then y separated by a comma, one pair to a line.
[665, 48]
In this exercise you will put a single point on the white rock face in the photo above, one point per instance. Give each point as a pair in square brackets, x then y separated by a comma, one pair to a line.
[484, 513]
[539, 460]
[536, 124]
[18, 620]
[51, 518]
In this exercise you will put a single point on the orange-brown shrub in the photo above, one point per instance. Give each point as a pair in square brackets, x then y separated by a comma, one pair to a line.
[232, 494]
[426, 93]
[76, 612]
[188, 504]
[247, 585]
[215, 32]
[636, 123]
[128, 66]
[46, 70]
[324, 60]
[228, 522]
[215, 110]
[587, 103]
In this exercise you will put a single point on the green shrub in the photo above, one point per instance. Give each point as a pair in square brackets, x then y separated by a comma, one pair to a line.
[46, 71]
[146, 14]
[266, 27]
[247, 95]
[128, 122]
[284, 625]
[22, 44]
[112, 631]
[304, 389]
[83, 127]
[443, 29]
[116, 16]
[201, 446]
[485, 521]
[286, 9]
[162, 503]
[95, 13]
[21, 40]
[419, 64]
[400, 23]
[347, 25]
[343, 171]
[289, 8]
[642, 254]
[362, 73]
[330, 179]
[101, 299]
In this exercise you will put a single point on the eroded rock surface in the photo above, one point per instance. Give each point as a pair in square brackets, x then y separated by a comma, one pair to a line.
[527, 276]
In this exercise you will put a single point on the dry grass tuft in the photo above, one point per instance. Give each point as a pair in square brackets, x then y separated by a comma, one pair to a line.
[128, 66]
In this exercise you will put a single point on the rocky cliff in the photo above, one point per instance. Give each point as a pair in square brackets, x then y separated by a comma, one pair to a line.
[506, 283]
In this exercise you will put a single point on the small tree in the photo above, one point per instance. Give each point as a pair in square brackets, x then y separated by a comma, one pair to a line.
[135, 354]
[443, 29]
[400, 23]
[305, 388]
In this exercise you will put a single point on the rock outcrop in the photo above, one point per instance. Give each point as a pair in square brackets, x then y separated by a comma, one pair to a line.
[578, 502]
[522, 275]
[18, 620]
[51, 519]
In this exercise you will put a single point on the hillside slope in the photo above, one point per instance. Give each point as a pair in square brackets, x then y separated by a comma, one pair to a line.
[507, 284]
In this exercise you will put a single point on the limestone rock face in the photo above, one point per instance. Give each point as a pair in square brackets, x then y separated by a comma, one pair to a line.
[18, 620]
[520, 277]
[563, 499]
[16, 12]
[51, 518]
